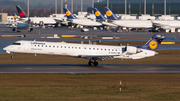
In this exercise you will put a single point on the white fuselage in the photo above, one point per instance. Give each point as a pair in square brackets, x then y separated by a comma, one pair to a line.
[133, 23]
[77, 50]
[168, 23]
[86, 22]
[37, 20]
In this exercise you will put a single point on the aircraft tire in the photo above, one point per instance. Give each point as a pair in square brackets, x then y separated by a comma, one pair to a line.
[90, 63]
[12, 57]
[95, 63]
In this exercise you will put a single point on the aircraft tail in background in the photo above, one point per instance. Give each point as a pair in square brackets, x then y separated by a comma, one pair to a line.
[98, 14]
[21, 13]
[110, 15]
[69, 14]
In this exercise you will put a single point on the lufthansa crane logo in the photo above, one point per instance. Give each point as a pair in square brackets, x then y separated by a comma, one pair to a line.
[108, 13]
[97, 13]
[153, 44]
[68, 13]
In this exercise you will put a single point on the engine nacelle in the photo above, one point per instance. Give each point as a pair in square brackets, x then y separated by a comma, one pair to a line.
[131, 49]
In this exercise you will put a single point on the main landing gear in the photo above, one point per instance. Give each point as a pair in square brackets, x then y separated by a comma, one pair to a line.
[91, 63]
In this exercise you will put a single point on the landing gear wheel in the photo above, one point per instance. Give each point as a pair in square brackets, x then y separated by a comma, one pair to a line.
[12, 57]
[95, 63]
[90, 63]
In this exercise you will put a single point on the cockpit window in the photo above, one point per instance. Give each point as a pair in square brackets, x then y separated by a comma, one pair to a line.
[16, 43]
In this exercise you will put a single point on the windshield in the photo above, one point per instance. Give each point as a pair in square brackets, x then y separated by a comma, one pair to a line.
[16, 44]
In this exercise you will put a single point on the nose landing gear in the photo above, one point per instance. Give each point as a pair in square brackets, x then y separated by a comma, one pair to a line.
[12, 57]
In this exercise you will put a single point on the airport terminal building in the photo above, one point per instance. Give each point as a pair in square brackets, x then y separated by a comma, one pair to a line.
[153, 7]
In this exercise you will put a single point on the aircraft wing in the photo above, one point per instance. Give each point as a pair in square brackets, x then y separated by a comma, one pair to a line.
[98, 57]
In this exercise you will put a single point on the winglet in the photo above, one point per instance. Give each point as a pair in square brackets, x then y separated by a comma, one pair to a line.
[110, 15]
[69, 14]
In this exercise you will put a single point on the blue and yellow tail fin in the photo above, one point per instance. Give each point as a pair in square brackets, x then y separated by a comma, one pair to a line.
[98, 14]
[154, 42]
[110, 15]
[15, 16]
[69, 14]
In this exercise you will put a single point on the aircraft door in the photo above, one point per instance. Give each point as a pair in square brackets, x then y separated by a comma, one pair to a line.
[26, 46]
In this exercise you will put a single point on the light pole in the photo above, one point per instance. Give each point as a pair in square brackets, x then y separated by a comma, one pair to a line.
[61, 6]
[72, 6]
[55, 6]
[144, 7]
[164, 7]
[107, 3]
[92, 6]
[125, 7]
[81, 6]
[28, 7]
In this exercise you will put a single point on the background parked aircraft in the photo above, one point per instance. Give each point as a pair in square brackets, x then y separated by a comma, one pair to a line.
[147, 24]
[82, 22]
[22, 26]
[35, 20]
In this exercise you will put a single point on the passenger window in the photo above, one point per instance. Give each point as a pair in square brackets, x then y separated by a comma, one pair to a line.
[93, 48]
[79, 47]
[89, 48]
[84, 47]
[108, 49]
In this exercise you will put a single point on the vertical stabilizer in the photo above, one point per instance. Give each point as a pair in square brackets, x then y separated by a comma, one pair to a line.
[154, 42]
[110, 15]
[98, 14]
[69, 14]
[21, 13]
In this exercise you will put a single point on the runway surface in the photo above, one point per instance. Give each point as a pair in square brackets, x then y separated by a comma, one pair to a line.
[84, 69]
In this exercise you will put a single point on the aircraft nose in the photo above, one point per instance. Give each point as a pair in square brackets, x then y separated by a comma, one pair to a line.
[6, 49]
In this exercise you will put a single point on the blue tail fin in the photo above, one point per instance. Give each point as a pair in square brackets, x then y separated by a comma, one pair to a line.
[154, 42]
[69, 14]
[110, 15]
[98, 14]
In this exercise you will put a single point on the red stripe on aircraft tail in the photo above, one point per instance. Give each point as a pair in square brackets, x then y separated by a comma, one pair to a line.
[21, 14]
